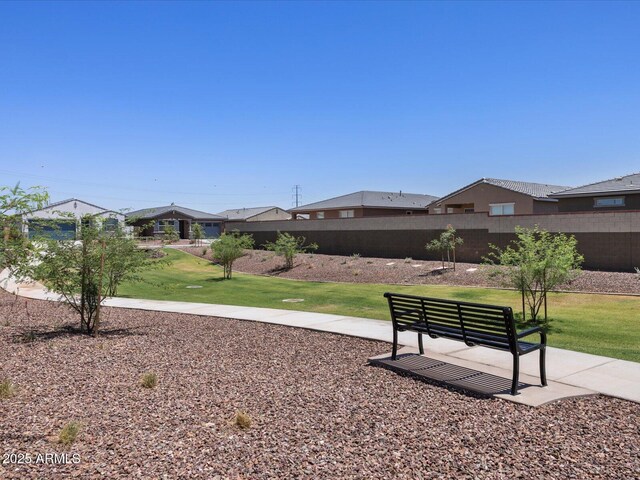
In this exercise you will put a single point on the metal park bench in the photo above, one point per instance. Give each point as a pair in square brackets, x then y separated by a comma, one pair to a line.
[472, 323]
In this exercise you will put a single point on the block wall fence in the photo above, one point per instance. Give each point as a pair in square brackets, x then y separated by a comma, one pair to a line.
[608, 240]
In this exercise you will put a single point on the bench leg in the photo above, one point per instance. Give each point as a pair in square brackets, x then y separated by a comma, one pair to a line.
[543, 371]
[394, 352]
[516, 374]
[420, 346]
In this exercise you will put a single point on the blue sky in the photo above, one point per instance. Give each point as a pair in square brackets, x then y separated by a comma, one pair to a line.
[225, 105]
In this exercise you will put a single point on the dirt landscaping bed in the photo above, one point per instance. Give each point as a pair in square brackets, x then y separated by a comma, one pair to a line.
[317, 410]
[335, 268]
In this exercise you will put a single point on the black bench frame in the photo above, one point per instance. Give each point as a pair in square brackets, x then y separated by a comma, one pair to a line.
[475, 324]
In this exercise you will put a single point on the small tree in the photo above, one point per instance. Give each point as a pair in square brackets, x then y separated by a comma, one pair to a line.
[537, 263]
[446, 244]
[228, 248]
[14, 202]
[288, 246]
[170, 234]
[84, 272]
[198, 234]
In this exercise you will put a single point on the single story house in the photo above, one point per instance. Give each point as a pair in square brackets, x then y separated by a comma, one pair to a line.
[255, 214]
[61, 220]
[616, 194]
[152, 221]
[499, 197]
[365, 204]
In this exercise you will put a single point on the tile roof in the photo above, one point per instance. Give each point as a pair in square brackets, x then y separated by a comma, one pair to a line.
[626, 184]
[154, 212]
[539, 191]
[371, 199]
[244, 213]
[68, 200]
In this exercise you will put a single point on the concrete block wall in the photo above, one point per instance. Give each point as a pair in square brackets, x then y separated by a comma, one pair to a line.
[608, 240]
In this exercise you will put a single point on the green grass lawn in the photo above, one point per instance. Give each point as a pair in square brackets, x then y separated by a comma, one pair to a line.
[599, 324]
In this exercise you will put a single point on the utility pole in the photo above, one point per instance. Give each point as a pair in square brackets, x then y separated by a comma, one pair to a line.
[296, 195]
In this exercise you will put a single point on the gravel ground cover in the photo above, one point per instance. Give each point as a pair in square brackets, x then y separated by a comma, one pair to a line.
[317, 409]
[335, 268]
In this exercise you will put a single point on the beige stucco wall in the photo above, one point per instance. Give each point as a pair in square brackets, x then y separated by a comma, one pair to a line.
[273, 214]
[483, 194]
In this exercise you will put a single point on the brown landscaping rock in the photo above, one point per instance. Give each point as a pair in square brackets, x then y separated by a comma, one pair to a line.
[335, 268]
[318, 410]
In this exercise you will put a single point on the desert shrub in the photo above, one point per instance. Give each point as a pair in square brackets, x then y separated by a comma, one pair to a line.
[69, 433]
[355, 256]
[536, 263]
[408, 260]
[446, 244]
[228, 248]
[197, 233]
[288, 246]
[149, 380]
[242, 420]
[7, 388]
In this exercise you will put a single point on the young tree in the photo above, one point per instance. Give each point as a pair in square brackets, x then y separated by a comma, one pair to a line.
[14, 202]
[537, 263]
[84, 272]
[198, 234]
[228, 248]
[288, 246]
[170, 234]
[446, 244]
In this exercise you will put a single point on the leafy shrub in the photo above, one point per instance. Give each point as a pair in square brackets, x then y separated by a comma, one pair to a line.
[288, 246]
[7, 388]
[228, 248]
[446, 244]
[149, 380]
[69, 433]
[355, 256]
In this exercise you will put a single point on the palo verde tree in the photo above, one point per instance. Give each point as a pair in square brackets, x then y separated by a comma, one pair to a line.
[228, 248]
[85, 271]
[14, 203]
[446, 244]
[536, 263]
[288, 246]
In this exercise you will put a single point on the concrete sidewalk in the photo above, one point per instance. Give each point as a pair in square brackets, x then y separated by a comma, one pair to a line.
[569, 373]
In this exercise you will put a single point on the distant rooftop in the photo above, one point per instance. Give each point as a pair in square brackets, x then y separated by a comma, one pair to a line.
[539, 191]
[626, 184]
[371, 199]
[245, 213]
[154, 212]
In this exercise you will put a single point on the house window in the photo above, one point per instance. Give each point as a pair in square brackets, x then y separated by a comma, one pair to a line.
[449, 209]
[409, 212]
[609, 202]
[346, 214]
[162, 224]
[320, 215]
[469, 210]
[437, 211]
[502, 209]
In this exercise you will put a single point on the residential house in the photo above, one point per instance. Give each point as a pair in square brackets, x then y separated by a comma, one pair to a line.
[616, 194]
[255, 214]
[499, 197]
[152, 222]
[365, 204]
[61, 220]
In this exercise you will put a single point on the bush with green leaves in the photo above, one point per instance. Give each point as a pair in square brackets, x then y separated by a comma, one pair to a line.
[536, 263]
[227, 248]
[86, 271]
[288, 246]
[170, 234]
[197, 234]
[14, 203]
[446, 244]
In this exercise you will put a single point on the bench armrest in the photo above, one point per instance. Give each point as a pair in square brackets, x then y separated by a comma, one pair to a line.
[532, 330]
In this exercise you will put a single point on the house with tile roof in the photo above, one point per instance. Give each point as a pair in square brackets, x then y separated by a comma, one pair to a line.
[615, 194]
[151, 222]
[365, 203]
[255, 214]
[499, 197]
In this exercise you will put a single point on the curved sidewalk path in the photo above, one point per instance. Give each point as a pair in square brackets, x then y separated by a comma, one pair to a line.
[569, 373]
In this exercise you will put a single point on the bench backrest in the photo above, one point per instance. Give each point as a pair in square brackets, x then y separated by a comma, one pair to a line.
[473, 323]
